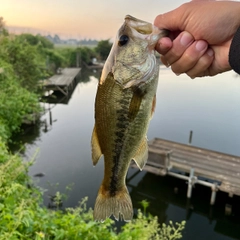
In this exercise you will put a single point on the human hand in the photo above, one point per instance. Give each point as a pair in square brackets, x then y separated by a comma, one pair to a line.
[199, 40]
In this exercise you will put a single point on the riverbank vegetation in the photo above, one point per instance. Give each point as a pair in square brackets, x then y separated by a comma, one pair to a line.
[18, 98]
[22, 215]
[26, 59]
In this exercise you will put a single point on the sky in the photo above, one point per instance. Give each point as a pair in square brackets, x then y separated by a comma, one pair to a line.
[94, 19]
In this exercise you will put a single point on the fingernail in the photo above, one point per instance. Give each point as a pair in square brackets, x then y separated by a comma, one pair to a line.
[201, 45]
[186, 39]
[210, 52]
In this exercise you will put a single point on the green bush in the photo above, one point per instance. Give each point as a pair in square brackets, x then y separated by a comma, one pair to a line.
[24, 59]
[36, 40]
[103, 48]
[54, 59]
[85, 55]
[16, 102]
[23, 217]
[69, 56]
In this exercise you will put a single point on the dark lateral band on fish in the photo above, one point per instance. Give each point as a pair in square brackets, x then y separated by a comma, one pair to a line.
[124, 104]
[121, 126]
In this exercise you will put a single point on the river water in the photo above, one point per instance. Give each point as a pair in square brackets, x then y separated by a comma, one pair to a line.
[210, 107]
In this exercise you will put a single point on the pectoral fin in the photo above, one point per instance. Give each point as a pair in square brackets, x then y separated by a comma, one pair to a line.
[153, 105]
[135, 103]
[142, 154]
[96, 150]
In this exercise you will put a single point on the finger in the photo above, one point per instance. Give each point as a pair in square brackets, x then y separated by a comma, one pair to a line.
[163, 45]
[180, 44]
[190, 57]
[201, 68]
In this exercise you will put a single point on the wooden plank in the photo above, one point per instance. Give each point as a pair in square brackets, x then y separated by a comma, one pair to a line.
[221, 160]
[192, 161]
[59, 80]
[206, 163]
[64, 79]
[172, 145]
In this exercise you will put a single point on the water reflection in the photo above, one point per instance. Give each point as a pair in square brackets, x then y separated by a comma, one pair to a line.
[87, 74]
[209, 107]
[167, 198]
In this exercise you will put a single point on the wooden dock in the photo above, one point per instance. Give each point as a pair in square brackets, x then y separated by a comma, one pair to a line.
[63, 81]
[213, 169]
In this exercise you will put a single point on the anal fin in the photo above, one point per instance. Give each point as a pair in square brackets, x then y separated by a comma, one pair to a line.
[96, 150]
[142, 154]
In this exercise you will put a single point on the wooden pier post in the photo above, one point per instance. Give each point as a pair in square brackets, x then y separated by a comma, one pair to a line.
[191, 182]
[190, 137]
[214, 193]
[50, 117]
[77, 59]
[45, 126]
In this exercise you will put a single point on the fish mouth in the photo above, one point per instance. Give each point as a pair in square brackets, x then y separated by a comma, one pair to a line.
[145, 30]
[139, 25]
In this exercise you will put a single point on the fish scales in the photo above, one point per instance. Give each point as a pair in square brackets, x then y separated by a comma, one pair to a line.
[124, 104]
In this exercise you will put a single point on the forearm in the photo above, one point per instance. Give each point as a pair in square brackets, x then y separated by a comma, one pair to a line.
[234, 51]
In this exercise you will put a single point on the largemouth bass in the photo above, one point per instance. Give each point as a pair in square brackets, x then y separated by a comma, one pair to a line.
[124, 104]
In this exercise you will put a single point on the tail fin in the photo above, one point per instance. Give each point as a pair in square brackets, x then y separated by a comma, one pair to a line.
[119, 205]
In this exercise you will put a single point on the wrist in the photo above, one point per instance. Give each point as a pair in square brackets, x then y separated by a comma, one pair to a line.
[234, 52]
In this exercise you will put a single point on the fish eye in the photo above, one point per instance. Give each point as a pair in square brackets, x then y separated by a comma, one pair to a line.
[123, 40]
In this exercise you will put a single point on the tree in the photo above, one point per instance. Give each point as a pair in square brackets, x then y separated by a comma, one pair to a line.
[46, 43]
[16, 102]
[103, 48]
[24, 59]
[2, 27]
[55, 59]
[56, 39]
[36, 40]
[86, 54]
[2, 23]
